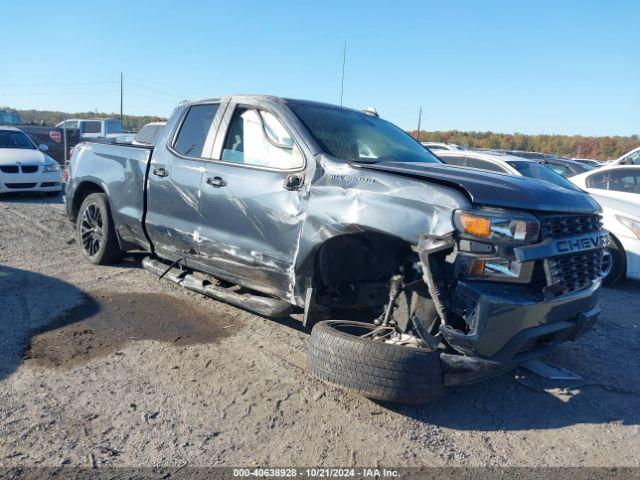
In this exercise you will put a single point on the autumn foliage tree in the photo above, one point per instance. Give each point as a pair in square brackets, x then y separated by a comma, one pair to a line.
[578, 146]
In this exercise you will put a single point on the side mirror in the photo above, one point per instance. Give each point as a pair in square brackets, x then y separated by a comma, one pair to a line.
[43, 148]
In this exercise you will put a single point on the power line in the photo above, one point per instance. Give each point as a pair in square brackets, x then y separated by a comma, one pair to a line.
[59, 84]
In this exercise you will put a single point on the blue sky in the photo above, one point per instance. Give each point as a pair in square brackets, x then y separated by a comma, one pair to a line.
[538, 66]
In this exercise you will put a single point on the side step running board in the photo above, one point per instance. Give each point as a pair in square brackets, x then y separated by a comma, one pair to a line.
[263, 305]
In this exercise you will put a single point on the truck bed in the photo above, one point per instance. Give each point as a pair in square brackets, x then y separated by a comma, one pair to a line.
[121, 171]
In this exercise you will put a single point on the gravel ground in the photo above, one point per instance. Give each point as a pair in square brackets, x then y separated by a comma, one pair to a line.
[112, 367]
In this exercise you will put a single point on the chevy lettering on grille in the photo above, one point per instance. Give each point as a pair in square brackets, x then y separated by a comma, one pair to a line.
[581, 243]
[562, 246]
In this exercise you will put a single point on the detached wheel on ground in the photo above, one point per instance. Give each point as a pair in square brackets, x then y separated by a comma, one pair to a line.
[614, 263]
[95, 231]
[340, 355]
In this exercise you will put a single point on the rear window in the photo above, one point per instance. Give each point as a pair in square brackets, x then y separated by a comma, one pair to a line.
[458, 160]
[114, 126]
[192, 138]
[91, 127]
[483, 165]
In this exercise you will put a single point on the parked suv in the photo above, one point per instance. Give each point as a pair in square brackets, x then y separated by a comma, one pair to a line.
[280, 206]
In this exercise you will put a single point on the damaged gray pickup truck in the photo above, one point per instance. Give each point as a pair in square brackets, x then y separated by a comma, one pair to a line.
[284, 206]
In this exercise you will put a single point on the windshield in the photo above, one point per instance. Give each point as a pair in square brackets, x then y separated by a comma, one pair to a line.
[540, 172]
[357, 137]
[13, 139]
[7, 118]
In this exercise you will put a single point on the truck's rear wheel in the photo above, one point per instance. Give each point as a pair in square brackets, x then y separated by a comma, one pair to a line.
[340, 354]
[96, 232]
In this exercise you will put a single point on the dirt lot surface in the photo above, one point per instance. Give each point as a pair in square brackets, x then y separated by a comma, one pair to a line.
[109, 365]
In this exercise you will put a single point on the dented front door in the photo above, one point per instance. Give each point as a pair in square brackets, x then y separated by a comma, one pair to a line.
[254, 198]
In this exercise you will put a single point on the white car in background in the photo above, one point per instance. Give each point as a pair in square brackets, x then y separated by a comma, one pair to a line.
[149, 134]
[617, 190]
[629, 158]
[499, 162]
[25, 167]
[433, 146]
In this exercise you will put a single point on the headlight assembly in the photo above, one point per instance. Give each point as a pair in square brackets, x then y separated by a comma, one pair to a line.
[487, 239]
[633, 225]
[497, 225]
[51, 167]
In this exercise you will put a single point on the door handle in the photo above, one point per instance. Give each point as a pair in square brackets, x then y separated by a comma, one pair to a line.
[160, 172]
[216, 182]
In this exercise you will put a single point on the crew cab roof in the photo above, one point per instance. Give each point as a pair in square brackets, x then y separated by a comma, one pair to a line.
[256, 98]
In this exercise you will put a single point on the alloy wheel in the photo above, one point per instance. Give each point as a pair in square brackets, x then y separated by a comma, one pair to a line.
[91, 229]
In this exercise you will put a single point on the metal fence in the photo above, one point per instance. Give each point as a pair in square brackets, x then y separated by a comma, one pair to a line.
[59, 141]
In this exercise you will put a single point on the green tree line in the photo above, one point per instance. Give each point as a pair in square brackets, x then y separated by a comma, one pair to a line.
[49, 117]
[576, 146]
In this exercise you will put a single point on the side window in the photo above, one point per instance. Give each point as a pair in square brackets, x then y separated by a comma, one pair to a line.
[90, 127]
[598, 181]
[71, 125]
[483, 165]
[196, 130]
[259, 138]
[627, 181]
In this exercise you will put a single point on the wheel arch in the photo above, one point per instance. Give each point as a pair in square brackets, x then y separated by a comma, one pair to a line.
[618, 243]
[82, 191]
[357, 256]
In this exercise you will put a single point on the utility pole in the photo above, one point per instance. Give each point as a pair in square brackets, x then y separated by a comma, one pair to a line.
[419, 120]
[344, 61]
[121, 95]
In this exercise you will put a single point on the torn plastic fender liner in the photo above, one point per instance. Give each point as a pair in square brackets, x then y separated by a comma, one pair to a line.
[427, 246]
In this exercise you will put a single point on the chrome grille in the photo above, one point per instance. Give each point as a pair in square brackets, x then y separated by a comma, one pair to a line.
[9, 169]
[29, 168]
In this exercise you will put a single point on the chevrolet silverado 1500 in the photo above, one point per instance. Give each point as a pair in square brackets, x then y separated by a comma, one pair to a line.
[282, 206]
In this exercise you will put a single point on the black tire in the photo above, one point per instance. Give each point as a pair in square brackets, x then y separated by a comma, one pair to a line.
[95, 231]
[618, 260]
[339, 356]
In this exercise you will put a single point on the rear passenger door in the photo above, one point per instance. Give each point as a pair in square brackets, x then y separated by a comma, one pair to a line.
[254, 197]
[174, 197]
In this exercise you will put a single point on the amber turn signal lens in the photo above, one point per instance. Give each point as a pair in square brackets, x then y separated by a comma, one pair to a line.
[476, 226]
[476, 267]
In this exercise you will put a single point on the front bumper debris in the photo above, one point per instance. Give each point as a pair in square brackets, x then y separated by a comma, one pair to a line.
[509, 330]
